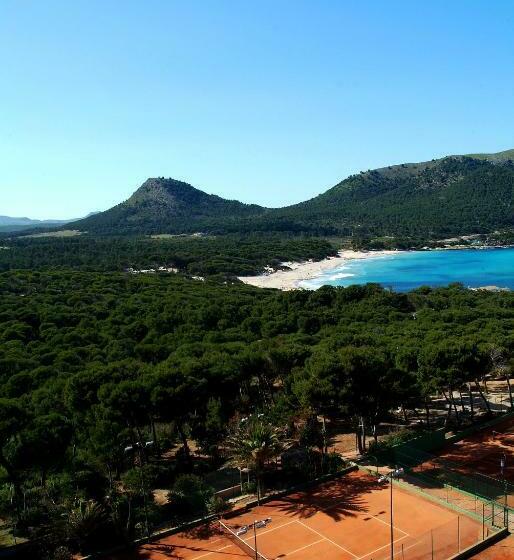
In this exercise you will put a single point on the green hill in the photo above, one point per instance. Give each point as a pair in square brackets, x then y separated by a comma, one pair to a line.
[167, 206]
[499, 156]
[451, 196]
[456, 195]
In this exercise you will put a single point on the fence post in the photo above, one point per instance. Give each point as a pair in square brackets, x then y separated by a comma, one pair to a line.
[432, 542]
[483, 520]
[458, 533]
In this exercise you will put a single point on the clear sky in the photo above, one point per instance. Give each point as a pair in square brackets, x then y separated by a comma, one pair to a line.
[268, 101]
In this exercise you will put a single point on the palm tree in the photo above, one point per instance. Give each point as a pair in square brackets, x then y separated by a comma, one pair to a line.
[86, 522]
[253, 444]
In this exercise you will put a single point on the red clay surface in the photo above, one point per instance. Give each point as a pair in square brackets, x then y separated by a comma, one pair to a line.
[503, 550]
[347, 519]
[481, 452]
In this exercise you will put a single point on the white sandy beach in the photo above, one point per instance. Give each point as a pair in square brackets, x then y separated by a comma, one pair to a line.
[300, 271]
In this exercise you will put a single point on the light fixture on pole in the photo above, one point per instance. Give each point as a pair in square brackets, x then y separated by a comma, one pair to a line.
[139, 447]
[390, 476]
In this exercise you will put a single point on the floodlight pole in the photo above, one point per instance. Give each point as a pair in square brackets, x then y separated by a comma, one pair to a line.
[503, 465]
[138, 448]
[391, 514]
[255, 540]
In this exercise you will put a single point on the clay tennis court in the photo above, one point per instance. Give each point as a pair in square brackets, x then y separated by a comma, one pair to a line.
[482, 451]
[346, 519]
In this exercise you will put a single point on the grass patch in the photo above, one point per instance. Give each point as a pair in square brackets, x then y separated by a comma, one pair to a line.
[7, 539]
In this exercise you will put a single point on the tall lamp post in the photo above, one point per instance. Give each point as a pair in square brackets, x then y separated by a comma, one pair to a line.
[503, 466]
[391, 517]
[391, 475]
[138, 448]
[242, 470]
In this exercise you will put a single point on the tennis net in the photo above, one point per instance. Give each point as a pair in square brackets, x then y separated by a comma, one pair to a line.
[238, 541]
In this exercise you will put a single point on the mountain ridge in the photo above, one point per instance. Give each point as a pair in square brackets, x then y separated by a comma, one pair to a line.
[14, 224]
[452, 195]
[159, 200]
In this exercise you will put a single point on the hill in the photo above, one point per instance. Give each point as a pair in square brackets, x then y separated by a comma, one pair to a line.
[167, 206]
[498, 156]
[10, 224]
[452, 196]
[455, 195]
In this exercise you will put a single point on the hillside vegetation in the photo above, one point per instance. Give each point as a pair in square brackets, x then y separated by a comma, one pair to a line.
[453, 196]
[456, 195]
[167, 206]
[205, 256]
[93, 363]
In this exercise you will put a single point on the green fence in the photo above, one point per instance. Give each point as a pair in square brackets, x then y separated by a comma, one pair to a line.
[440, 543]
[476, 428]
[438, 471]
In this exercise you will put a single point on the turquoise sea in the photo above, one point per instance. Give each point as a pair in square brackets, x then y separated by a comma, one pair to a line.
[407, 270]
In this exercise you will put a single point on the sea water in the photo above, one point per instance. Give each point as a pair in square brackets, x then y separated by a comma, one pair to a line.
[406, 270]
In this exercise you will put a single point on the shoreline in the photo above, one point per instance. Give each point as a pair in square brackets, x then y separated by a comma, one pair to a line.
[299, 272]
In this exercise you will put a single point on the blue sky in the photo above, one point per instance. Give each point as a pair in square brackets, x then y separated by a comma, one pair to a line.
[264, 101]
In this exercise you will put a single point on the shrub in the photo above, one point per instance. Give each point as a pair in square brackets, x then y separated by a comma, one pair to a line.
[62, 553]
[218, 506]
[392, 440]
[332, 463]
[249, 487]
[190, 494]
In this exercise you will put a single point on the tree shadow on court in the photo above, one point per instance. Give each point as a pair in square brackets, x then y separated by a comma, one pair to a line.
[344, 498]
[177, 552]
[200, 533]
[453, 486]
[482, 456]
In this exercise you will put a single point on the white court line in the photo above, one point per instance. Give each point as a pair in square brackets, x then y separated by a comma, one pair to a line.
[259, 533]
[327, 539]
[398, 552]
[250, 538]
[381, 547]
[212, 551]
[389, 525]
[244, 540]
[304, 547]
[370, 515]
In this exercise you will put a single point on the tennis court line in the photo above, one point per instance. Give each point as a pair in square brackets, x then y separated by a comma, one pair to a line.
[327, 539]
[212, 551]
[398, 552]
[384, 546]
[389, 525]
[304, 547]
[250, 538]
[260, 533]
[370, 514]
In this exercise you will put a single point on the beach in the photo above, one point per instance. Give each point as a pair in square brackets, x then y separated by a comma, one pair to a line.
[298, 272]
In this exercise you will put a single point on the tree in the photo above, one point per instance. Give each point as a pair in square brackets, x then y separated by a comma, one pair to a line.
[12, 421]
[86, 525]
[174, 397]
[252, 444]
[370, 388]
[190, 494]
[318, 388]
[44, 442]
[218, 506]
